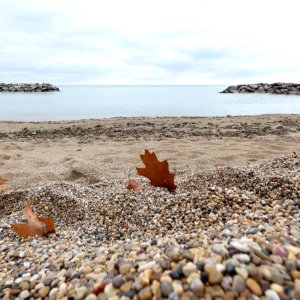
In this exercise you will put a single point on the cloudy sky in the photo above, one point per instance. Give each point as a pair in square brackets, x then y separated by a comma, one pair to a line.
[149, 42]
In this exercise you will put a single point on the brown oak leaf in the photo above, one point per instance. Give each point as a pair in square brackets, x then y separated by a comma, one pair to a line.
[2, 181]
[35, 226]
[157, 171]
[133, 184]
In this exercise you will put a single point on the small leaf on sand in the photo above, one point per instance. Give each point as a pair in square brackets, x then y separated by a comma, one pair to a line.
[2, 181]
[157, 171]
[35, 225]
[133, 184]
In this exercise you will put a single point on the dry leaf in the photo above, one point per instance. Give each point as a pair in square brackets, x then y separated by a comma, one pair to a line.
[2, 181]
[157, 171]
[134, 184]
[35, 225]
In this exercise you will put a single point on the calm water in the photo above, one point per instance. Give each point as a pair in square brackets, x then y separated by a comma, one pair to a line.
[83, 102]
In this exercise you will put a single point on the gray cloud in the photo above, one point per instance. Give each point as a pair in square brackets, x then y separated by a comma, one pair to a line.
[58, 41]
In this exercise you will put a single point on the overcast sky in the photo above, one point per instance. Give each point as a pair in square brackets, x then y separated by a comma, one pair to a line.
[149, 42]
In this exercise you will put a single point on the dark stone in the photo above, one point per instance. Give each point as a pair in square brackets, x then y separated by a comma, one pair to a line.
[175, 275]
[204, 277]
[129, 294]
[230, 269]
[153, 242]
[200, 265]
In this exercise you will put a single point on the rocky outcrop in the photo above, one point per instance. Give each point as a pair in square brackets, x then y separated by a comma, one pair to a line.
[27, 87]
[273, 88]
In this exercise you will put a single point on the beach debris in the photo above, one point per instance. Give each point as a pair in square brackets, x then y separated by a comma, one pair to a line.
[100, 288]
[133, 184]
[98, 185]
[35, 226]
[157, 171]
[2, 181]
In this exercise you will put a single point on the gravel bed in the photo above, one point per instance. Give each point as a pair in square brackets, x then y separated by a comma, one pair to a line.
[226, 233]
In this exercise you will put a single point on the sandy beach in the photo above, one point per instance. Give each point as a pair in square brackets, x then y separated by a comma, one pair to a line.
[230, 231]
[83, 151]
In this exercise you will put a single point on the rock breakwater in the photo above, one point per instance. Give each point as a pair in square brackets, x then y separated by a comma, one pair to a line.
[27, 87]
[272, 88]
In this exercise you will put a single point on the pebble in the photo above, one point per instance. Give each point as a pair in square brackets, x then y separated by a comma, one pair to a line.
[243, 272]
[125, 268]
[253, 286]
[272, 295]
[44, 291]
[166, 288]
[145, 293]
[24, 294]
[239, 246]
[238, 284]
[189, 268]
[81, 292]
[197, 287]
[91, 297]
[230, 269]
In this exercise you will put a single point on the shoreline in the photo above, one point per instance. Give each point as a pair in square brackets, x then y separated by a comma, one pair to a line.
[139, 127]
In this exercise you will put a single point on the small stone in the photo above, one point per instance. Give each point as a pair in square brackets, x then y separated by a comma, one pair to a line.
[117, 282]
[53, 293]
[166, 288]
[240, 246]
[149, 265]
[290, 265]
[226, 283]
[153, 242]
[91, 297]
[277, 288]
[272, 295]
[44, 291]
[197, 287]
[145, 293]
[238, 284]
[178, 289]
[243, 258]
[129, 294]
[125, 268]
[47, 280]
[253, 286]
[243, 272]
[280, 251]
[277, 278]
[25, 285]
[295, 274]
[126, 286]
[230, 269]
[229, 295]
[81, 292]
[87, 270]
[24, 294]
[214, 276]
[189, 268]
[15, 292]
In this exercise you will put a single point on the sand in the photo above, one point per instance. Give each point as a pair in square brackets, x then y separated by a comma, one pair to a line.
[82, 151]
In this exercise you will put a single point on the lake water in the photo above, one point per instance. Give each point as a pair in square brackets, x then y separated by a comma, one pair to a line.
[85, 102]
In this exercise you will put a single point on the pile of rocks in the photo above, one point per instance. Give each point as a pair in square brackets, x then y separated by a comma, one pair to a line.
[273, 88]
[27, 87]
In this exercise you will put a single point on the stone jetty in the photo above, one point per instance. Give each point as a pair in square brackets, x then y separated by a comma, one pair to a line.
[272, 88]
[27, 87]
